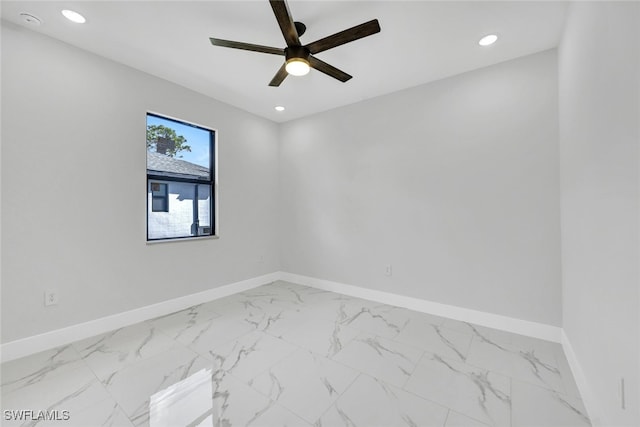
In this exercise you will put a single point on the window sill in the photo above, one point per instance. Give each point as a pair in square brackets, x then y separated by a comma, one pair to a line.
[181, 239]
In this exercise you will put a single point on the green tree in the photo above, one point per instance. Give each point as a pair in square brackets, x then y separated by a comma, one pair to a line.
[170, 143]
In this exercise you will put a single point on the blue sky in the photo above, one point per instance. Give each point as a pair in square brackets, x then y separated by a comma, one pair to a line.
[197, 138]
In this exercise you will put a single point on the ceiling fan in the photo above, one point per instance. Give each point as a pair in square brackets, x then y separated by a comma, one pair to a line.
[299, 58]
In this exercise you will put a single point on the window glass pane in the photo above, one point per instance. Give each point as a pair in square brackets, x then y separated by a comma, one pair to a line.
[158, 189]
[204, 210]
[179, 222]
[178, 148]
[159, 204]
[180, 177]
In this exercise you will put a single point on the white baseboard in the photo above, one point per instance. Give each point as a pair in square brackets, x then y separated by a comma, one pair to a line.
[590, 403]
[48, 340]
[34, 344]
[496, 321]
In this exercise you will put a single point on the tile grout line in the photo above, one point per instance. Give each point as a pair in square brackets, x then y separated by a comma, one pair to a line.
[106, 389]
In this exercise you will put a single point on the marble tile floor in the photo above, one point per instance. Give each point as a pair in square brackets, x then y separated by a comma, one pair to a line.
[289, 355]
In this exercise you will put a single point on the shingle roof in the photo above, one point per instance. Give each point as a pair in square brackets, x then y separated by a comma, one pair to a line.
[161, 164]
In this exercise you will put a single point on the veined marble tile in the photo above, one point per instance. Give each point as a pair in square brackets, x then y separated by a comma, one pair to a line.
[421, 318]
[559, 410]
[112, 351]
[259, 313]
[71, 391]
[305, 383]
[270, 295]
[237, 304]
[32, 369]
[455, 419]
[333, 307]
[458, 325]
[214, 333]
[388, 360]
[318, 298]
[324, 337]
[568, 381]
[281, 296]
[370, 403]
[279, 355]
[509, 339]
[251, 354]
[471, 391]
[536, 366]
[307, 292]
[237, 404]
[344, 308]
[276, 415]
[279, 293]
[188, 322]
[268, 301]
[381, 319]
[273, 319]
[106, 413]
[516, 342]
[133, 386]
[437, 339]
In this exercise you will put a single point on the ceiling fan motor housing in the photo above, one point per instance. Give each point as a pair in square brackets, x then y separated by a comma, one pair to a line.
[297, 52]
[300, 28]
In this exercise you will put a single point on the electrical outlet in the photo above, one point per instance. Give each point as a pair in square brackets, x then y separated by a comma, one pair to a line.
[388, 270]
[50, 298]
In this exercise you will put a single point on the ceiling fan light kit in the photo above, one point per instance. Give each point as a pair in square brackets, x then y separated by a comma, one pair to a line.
[300, 59]
[297, 67]
[297, 60]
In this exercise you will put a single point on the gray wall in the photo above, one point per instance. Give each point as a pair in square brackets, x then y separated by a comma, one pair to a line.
[453, 183]
[74, 189]
[599, 81]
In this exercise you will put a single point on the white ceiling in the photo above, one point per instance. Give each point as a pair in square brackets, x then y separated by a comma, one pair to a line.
[420, 41]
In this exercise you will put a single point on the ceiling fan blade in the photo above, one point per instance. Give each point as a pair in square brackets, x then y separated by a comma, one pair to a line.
[346, 36]
[247, 46]
[329, 70]
[288, 28]
[280, 76]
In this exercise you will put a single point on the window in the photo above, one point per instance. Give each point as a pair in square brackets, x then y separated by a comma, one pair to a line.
[159, 199]
[180, 179]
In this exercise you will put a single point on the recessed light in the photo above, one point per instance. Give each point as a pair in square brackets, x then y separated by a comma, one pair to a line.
[279, 108]
[488, 40]
[74, 16]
